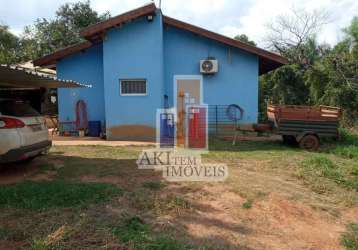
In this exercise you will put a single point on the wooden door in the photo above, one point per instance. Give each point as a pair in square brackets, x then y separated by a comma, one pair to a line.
[188, 92]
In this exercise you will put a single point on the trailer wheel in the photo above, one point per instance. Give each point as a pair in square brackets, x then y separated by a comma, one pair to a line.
[309, 142]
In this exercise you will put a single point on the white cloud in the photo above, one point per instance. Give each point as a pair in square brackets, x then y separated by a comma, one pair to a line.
[231, 31]
[253, 23]
[19, 13]
[116, 6]
[229, 17]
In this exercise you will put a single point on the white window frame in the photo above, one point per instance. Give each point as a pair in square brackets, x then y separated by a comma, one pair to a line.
[133, 94]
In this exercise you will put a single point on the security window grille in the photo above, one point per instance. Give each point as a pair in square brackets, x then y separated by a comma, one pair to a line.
[133, 87]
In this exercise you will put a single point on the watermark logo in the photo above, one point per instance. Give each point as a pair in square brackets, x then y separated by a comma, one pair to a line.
[181, 165]
[182, 136]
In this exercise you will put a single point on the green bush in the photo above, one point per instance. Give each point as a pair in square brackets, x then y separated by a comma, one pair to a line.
[322, 167]
[317, 167]
[348, 137]
[350, 151]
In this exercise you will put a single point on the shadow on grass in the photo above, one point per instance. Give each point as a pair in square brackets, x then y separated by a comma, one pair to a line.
[216, 144]
[67, 185]
[55, 194]
[58, 166]
[346, 146]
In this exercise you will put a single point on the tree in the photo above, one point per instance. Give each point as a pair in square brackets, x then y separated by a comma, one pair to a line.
[294, 37]
[245, 39]
[285, 85]
[289, 34]
[352, 36]
[333, 79]
[352, 31]
[9, 44]
[46, 36]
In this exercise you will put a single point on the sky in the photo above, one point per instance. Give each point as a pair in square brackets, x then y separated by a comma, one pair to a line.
[228, 17]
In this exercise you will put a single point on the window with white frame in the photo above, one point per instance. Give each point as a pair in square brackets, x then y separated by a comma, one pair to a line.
[133, 86]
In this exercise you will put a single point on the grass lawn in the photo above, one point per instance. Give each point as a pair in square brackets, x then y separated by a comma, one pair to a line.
[95, 197]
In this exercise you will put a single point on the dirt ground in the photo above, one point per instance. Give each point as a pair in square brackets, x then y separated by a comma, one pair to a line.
[283, 213]
[217, 219]
[93, 141]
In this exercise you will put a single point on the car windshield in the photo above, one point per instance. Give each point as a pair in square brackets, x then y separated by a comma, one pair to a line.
[16, 108]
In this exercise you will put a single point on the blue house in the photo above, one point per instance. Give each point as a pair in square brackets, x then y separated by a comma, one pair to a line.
[140, 60]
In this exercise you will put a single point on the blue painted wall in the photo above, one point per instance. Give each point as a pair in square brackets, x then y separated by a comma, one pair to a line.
[134, 51]
[235, 83]
[84, 67]
[143, 49]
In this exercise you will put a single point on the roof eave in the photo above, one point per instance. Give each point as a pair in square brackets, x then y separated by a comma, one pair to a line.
[267, 60]
[51, 59]
[94, 34]
[98, 28]
[264, 55]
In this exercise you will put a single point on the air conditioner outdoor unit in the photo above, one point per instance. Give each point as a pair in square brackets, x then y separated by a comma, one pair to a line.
[209, 66]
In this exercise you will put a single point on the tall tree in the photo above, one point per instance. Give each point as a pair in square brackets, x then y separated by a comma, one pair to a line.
[352, 36]
[289, 34]
[292, 36]
[46, 36]
[333, 79]
[352, 30]
[245, 39]
[9, 45]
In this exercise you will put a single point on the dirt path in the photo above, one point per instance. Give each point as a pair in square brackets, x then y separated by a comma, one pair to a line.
[94, 141]
[273, 222]
[280, 213]
[102, 143]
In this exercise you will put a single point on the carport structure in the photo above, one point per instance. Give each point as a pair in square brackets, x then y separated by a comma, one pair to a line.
[19, 77]
[33, 86]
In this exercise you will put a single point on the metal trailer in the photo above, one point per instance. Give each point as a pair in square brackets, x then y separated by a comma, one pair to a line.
[305, 125]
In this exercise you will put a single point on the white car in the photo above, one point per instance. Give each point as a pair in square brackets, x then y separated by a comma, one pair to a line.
[23, 133]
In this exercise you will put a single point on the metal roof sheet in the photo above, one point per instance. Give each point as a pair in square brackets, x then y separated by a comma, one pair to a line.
[19, 77]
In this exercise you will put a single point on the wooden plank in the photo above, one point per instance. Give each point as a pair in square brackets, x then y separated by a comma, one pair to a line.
[305, 113]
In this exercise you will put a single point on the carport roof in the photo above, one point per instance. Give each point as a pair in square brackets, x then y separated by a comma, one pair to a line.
[19, 77]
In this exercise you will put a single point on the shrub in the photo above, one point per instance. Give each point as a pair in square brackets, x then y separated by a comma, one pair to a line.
[322, 166]
[350, 151]
[317, 167]
[348, 137]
